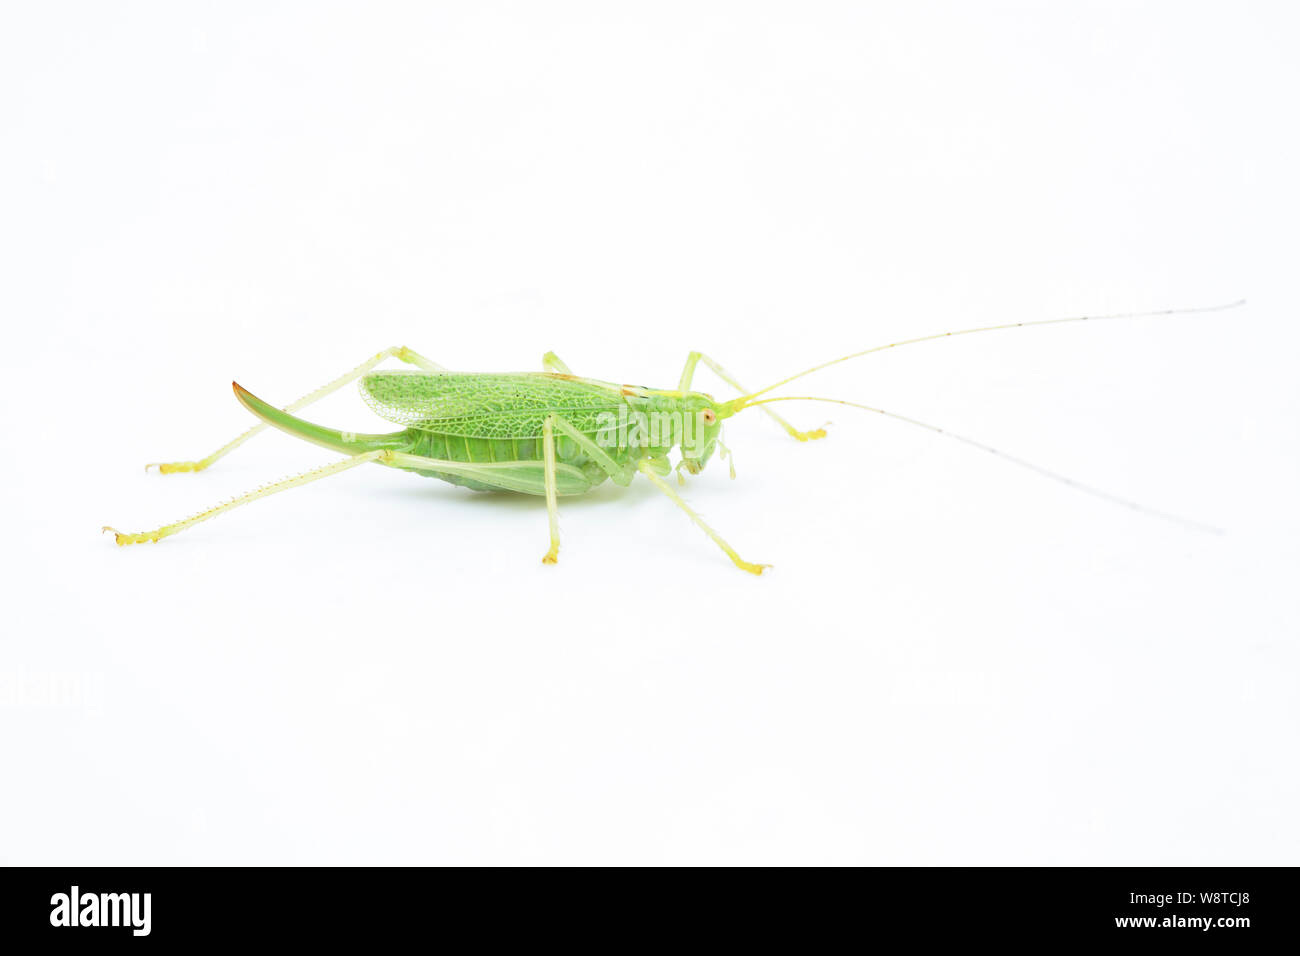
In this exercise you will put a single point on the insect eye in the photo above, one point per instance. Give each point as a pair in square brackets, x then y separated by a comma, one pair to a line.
[709, 416]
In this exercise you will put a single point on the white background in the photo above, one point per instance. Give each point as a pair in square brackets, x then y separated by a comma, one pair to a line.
[953, 660]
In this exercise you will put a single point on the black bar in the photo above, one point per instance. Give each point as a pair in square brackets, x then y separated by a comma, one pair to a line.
[208, 905]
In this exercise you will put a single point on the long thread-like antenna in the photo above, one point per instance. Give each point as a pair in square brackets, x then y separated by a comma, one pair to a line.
[996, 328]
[1045, 472]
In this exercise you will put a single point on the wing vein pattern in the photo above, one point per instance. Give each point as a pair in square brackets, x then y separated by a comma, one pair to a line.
[506, 406]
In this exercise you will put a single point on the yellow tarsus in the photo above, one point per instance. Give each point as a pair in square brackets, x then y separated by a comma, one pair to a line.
[123, 538]
[813, 435]
[172, 467]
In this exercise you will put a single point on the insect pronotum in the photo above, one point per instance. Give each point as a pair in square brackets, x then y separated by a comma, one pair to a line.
[552, 433]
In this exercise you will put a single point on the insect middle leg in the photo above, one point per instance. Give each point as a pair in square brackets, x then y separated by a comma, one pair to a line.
[552, 506]
[620, 474]
[646, 467]
[688, 373]
[396, 351]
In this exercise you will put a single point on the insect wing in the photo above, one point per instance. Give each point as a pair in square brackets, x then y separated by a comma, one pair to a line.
[487, 406]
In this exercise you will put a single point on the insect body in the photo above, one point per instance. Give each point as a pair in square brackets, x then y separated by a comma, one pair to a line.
[499, 425]
[547, 433]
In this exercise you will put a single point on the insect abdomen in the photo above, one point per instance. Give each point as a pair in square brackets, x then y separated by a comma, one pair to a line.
[487, 451]
[482, 451]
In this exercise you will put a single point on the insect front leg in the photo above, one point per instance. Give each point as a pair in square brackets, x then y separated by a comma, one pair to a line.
[396, 351]
[647, 467]
[688, 373]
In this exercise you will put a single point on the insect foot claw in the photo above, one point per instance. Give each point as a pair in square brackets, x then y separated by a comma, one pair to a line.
[813, 435]
[550, 557]
[752, 568]
[172, 467]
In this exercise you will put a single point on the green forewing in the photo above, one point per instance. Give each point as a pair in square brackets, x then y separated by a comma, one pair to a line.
[487, 406]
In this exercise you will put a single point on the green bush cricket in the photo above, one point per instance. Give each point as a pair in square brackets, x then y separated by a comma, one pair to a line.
[552, 433]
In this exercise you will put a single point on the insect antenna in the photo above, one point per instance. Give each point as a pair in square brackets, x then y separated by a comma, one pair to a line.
[991, 328]
[1038, 469]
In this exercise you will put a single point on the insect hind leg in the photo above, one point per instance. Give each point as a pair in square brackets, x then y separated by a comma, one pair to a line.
[157, 534]
[397, 351]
